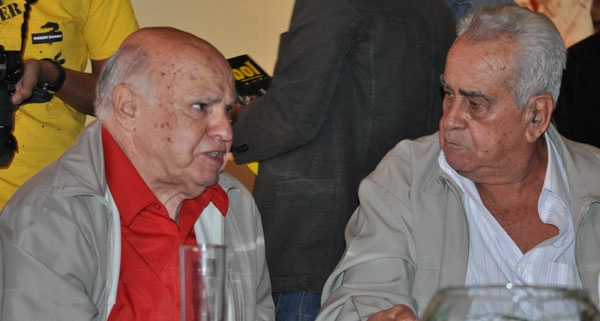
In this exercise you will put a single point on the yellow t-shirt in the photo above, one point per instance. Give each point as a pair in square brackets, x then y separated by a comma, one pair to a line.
[70, 32]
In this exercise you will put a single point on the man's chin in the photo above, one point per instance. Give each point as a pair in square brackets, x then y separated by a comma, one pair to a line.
[212, 181]
[459, 164]
[202, 183]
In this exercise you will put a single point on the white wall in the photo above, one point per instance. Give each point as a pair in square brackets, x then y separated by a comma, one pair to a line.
[235, 27]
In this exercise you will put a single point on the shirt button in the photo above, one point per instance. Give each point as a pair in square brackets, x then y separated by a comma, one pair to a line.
[157, 206]
[521, 270]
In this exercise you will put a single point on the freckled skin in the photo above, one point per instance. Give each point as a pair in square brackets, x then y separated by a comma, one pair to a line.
[182, 131]
[483, 140]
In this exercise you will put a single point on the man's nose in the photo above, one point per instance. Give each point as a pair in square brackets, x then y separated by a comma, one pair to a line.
[454, 114]
[221, 127]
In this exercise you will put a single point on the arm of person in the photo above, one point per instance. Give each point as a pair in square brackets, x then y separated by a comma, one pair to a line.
[375, 277]
[248, 273]
[108, 23]
[78, 89]
[292, 112]
[49, 267]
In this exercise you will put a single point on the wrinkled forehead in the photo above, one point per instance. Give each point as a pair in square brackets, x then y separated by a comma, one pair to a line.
[493, 56]
[192, 67]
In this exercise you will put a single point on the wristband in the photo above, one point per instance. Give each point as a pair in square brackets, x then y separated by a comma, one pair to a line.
[59, 81]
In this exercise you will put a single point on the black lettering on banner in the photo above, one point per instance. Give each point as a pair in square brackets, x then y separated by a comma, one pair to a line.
[54, 35]
[9, 11]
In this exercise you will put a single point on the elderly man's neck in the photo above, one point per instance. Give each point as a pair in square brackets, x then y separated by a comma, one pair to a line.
[514, 203]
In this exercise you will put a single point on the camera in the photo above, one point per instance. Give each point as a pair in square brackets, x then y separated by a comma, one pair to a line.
[11, 69]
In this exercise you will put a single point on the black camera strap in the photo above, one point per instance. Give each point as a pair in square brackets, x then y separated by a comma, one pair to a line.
[25, 24]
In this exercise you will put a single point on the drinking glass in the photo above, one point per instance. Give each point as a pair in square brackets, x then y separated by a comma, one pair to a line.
[203, 270]
[510, 302]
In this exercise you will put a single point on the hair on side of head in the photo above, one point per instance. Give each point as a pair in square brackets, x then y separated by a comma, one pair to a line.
[539, 50]
[125, 64]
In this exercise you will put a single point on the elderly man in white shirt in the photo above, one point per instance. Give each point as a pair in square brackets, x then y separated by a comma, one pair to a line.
[496, 196]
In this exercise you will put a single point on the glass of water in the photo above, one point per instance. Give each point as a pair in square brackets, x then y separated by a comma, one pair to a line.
[511, 302]
[203, 275]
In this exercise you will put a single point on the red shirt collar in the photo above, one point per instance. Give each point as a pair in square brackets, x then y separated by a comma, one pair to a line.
[128, 189]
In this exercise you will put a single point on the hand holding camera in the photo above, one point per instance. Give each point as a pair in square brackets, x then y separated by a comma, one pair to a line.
[11, 72]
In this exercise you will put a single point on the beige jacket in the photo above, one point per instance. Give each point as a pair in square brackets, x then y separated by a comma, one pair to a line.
[59, 244]
[409, 237]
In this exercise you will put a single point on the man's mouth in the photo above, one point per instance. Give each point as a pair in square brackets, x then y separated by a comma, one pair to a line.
[453, 143]
[215, 154]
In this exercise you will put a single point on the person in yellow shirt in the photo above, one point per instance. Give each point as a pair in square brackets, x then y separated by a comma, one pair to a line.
[62, 37]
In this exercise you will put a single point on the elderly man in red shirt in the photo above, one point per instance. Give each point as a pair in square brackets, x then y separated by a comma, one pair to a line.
[95, 235]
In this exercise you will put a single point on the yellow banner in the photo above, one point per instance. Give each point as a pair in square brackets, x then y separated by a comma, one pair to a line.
[11, 21]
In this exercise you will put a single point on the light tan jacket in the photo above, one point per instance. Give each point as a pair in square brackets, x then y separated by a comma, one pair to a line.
[59, 246]
[409, 236]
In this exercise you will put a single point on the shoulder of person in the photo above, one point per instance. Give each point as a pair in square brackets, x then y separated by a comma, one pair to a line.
[415, 149]
[229, 183]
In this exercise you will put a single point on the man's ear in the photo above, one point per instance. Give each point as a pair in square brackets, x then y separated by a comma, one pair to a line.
[539, 115]
[125, 104]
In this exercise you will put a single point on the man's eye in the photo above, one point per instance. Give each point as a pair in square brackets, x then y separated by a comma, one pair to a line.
[479, 104]
[474, 104]
[199, 106]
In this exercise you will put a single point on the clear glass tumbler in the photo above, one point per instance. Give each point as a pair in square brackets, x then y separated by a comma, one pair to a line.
[203, 276]
[510, 302]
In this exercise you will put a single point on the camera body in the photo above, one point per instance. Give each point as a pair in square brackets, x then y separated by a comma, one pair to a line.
[11, 69]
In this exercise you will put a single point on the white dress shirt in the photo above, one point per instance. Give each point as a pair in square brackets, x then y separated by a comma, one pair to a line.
[494, 258]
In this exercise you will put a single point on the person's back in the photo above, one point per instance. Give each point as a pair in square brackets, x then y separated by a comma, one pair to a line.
[352, 79]
[578, 107]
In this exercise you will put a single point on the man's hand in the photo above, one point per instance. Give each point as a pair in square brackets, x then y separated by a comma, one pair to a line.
[398, 312]
[34, 72]
[78, 90]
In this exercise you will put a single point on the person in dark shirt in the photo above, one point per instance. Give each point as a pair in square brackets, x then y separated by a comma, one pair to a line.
[578, 108]
[352, 79]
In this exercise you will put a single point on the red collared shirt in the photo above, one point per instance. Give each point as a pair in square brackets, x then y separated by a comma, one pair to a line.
[148, 287]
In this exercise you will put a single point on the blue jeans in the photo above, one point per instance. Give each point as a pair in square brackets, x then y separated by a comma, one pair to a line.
[296, 306]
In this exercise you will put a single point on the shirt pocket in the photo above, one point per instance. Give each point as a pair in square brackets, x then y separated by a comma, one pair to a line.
[560, 274]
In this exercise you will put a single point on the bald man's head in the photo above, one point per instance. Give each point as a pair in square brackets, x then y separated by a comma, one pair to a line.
[157, 54]
[165, 97]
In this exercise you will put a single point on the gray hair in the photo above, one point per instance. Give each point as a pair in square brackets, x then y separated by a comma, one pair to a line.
[540, 52]
[124, 65]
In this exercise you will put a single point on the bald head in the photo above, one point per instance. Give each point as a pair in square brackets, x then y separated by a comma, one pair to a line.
[164, 97]
[165, 43]
[157, 54]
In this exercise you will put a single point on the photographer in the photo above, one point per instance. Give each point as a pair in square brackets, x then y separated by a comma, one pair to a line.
[62, 37]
